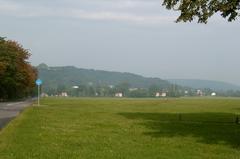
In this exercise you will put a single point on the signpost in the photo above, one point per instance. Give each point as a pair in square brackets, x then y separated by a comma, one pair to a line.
[38, 83]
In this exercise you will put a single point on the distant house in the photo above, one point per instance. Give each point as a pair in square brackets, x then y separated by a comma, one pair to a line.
[161, 94]
[157, 94]
[213, 94]
[120, 95]
[64, 94]
[164, 94]
[199, 92]
[75, 87]
[133, 89]
[44, 95]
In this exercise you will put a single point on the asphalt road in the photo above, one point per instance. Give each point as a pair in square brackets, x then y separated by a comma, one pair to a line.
[9, 110]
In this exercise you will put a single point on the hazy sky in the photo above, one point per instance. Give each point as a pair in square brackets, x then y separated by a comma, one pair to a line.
[138, 36]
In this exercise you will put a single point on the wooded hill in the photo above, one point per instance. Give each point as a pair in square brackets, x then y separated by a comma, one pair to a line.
[107, 83]
[70, 76]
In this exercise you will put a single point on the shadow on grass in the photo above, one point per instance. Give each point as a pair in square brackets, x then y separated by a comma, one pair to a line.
[210, 128]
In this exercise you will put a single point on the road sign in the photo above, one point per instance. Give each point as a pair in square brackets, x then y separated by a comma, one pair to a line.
[38, 82]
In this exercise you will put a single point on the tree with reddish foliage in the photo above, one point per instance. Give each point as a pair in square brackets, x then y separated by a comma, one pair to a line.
[17, 76]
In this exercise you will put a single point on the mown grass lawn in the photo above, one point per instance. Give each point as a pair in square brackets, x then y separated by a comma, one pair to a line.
[124, 129]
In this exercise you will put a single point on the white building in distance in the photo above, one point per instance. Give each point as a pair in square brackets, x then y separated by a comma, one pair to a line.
[199, 92]
[161, 94]
[213, 94]
[133, 89]
[120, 95]
[64, 94]
[44, 95]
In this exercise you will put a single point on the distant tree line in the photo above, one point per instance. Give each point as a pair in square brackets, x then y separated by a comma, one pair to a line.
[17, 76]
[86, 90]
[230, 93]
[124, 88]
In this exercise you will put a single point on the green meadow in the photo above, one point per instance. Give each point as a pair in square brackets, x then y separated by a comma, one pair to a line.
[89, 128]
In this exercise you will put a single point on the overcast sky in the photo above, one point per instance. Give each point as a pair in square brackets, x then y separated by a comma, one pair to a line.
[137, 36]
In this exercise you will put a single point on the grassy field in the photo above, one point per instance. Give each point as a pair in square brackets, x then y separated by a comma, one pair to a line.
[124, 129]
